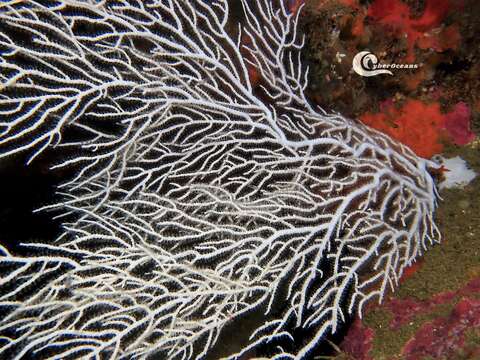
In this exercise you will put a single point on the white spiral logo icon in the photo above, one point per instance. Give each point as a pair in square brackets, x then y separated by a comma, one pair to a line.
[364, 64]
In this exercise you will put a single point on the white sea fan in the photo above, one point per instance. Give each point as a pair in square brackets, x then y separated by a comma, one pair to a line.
[198, 198]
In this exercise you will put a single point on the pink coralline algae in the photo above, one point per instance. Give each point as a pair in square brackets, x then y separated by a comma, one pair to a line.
[442, 337]
[457, 124]
[358, 342]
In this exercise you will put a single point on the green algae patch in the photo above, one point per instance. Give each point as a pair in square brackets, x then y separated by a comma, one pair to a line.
[387, 342]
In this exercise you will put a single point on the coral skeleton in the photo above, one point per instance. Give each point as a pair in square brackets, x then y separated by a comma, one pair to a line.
[200, 196]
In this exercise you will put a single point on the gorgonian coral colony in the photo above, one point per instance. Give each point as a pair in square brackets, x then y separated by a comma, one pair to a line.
[197, 199]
